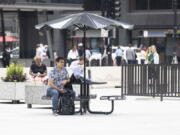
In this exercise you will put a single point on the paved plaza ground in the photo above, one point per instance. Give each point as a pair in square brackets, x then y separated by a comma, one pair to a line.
[133, 116]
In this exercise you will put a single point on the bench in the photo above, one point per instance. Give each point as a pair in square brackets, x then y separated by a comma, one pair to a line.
[77, 98]
[113, 97]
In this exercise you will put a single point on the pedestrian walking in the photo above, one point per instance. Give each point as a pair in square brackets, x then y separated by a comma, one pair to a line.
[118, 54]
[130, 55]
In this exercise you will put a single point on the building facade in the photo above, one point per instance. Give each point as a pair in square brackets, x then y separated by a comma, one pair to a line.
[18, 20]
[152, 19]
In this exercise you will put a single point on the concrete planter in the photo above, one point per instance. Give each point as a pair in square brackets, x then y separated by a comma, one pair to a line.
[14, 91]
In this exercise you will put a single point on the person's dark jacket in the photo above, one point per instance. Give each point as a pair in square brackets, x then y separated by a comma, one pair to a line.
[6, 56]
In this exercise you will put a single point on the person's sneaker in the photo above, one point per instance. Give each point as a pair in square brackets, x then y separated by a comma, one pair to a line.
[55, 112]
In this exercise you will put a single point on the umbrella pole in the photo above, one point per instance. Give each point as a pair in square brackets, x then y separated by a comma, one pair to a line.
[84, 44]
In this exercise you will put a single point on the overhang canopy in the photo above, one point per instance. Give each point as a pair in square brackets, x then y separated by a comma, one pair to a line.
[41, 7]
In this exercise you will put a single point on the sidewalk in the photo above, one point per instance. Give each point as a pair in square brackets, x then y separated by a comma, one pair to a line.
[133, 116]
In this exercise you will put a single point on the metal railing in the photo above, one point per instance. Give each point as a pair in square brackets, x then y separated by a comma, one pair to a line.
[151, 80]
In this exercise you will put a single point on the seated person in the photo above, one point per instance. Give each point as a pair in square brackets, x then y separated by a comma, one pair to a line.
[58, 84]
[38, 69]
[77, 68]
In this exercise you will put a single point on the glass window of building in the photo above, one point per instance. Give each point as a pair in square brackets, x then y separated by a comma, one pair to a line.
[151, 4]
[90, 5]
[12, 40]
[138, 4]
[160, 4]
[178, 4]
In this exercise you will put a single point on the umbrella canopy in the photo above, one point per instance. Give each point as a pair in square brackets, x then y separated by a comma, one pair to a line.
[84, 19]
[9, 39]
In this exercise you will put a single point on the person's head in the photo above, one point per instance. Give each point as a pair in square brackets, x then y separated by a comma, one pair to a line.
[129, 45]
[80, 45]
[74, 48]
[38, 45]
[45, 46]
[81, 61]
[149, 50]
[153, 49]
[7, 49]
[144, 48]
[38, 60]
[60, 62]
[41, 45]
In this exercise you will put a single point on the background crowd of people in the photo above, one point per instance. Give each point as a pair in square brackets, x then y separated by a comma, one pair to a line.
[116, 57]
[112, 55]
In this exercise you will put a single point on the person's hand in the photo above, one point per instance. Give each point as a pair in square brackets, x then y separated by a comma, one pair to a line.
[62, 91]
[38, 75]
[64, 82]
[41, 75]
[34, 75]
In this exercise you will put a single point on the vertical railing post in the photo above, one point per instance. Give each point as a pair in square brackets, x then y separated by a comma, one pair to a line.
[122, 83]
[160, 80]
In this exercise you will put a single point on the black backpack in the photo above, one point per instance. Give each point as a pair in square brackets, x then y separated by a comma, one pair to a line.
[66, 105]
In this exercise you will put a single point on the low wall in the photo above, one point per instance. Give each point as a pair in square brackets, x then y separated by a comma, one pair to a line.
[111, 75]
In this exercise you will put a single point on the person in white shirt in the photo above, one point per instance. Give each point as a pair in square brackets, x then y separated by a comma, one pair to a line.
[73, 54]
[45, 51]
[119, 54]
[153, 70]
[155, 54]
[77, 68]
[40, 50]
[88, 54]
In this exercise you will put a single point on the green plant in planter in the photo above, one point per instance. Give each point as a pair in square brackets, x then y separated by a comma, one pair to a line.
[15, 73]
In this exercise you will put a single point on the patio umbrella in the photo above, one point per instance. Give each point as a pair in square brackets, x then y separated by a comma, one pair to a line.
[83, 21]
[8, 39]
[90, 20]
